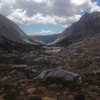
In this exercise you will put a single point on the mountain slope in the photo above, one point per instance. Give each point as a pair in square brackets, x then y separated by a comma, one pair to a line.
[11, 34]
[86, 27]
[10, 30]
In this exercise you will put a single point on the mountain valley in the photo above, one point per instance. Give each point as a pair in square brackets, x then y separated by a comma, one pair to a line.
[69, 65]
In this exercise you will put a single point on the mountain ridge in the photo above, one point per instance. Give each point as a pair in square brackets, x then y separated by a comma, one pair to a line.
[87, 26]
[12, 35]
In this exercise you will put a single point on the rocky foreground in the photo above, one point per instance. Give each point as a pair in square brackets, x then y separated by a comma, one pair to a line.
[24, 74]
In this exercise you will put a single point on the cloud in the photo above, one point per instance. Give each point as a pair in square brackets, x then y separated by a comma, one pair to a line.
[94, 7]
[78, 2]
[18, 16]
[43, 32]
[63, 12]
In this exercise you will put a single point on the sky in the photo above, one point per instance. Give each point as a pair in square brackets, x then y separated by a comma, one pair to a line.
[43, 17]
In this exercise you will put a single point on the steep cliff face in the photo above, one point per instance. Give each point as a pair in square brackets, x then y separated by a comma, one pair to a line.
[86, 27]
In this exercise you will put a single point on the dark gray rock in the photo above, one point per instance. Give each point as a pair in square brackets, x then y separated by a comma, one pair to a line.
[58, 76]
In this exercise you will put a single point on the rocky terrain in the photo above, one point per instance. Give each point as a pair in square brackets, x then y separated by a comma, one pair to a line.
[18, 67]
[19, 71]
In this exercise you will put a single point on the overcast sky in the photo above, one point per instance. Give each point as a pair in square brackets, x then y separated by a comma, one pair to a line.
[46, 16]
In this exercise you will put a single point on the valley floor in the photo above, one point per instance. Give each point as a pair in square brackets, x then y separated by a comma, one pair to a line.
[18, 69]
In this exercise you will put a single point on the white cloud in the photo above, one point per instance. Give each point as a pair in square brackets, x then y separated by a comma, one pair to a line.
[39, 1]
[78, 2]
[18, 16]
[21, 17]
[8, 1]
[63, 12]
[43, 32]
[94, 7]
